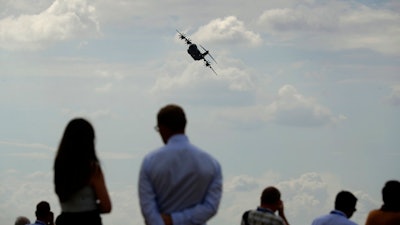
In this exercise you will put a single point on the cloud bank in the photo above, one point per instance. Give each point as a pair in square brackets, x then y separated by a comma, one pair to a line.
[305, 197]
[61, 21]
[228, 30]
[394, 97]
[289, 107]
[336, 25]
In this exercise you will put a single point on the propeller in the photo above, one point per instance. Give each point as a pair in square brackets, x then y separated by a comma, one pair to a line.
[213, 70]
[183, 37]
[208, 64]
[208, 53]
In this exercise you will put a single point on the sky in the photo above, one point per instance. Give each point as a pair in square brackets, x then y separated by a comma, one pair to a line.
[307, 97]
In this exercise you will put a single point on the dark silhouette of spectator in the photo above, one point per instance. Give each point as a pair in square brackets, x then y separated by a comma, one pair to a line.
[389, 213]
[345, 206]
[78, 178]
[265, 213]
[44, 216]
[22, 220]
[178, 183]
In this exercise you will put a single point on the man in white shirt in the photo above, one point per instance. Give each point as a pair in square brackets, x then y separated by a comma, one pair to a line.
[179, 183]
[345, 206]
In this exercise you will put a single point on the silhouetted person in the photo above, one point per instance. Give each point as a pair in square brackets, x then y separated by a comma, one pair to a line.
[345, 206]
[22, 220]
[44, 216]
[270, 202]
[389, 213]
[78, 178]
[178, 183]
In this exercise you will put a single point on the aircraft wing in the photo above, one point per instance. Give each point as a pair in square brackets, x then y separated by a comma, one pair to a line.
[208, 53]
[183, 37]
[208, 64]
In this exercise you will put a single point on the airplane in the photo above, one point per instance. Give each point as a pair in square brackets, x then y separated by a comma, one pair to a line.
[195, 52]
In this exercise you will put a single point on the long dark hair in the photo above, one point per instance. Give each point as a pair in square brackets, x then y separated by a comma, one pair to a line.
[75, 159]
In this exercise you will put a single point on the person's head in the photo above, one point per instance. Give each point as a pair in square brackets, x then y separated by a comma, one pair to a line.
[171, 120]
[346, 202]
[271, 198]
[391, 196]
[75, 157]
[78, 139]
[22, 220]
[43, 212]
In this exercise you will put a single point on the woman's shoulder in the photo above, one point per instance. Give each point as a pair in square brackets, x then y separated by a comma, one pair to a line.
[96, 170]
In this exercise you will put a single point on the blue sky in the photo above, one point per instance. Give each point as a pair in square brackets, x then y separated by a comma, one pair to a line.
[307, 96]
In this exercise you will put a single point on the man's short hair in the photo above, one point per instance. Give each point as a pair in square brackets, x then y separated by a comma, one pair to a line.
[270, 195]
[22, 220]
[391, 194]
[173, 117]
[345, 200]
[42, 209]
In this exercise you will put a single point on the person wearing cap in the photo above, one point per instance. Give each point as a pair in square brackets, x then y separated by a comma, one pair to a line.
[44, 216]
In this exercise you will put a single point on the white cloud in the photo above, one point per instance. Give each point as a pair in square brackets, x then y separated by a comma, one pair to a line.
[182, 80]
[289, 107]
[95, 114]
[292, 108]
[105, 88]
[19, 194]
[27, 145]
[28, 150]
[305, 197]
[242, 183]
[336, 25]
[33, 155]
[21, 6]
[63, 20]
[394, 97]
[228, 29]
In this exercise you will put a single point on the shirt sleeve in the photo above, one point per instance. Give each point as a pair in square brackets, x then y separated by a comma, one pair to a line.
[245, 217]
[147, 198]
[200, 213]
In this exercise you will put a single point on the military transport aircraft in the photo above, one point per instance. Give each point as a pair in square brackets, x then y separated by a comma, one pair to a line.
[195, 52]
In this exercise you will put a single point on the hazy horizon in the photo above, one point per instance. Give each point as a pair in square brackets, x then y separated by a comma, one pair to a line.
[306, 99]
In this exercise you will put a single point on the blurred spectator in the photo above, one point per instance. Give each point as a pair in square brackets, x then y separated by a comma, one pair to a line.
[178, 183]
[389, 213]
[345, 206]
[265, 213]
[22, 220]
[44, 216]
[78, 178]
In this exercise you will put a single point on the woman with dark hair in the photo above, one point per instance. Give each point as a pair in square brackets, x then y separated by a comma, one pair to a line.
[78, 178]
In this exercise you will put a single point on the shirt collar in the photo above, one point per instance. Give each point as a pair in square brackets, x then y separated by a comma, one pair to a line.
[265, 210]
[40, 222]
[338, 212]
[177, 138]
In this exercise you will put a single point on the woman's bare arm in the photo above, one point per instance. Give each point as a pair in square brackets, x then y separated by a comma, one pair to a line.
[99, 185]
